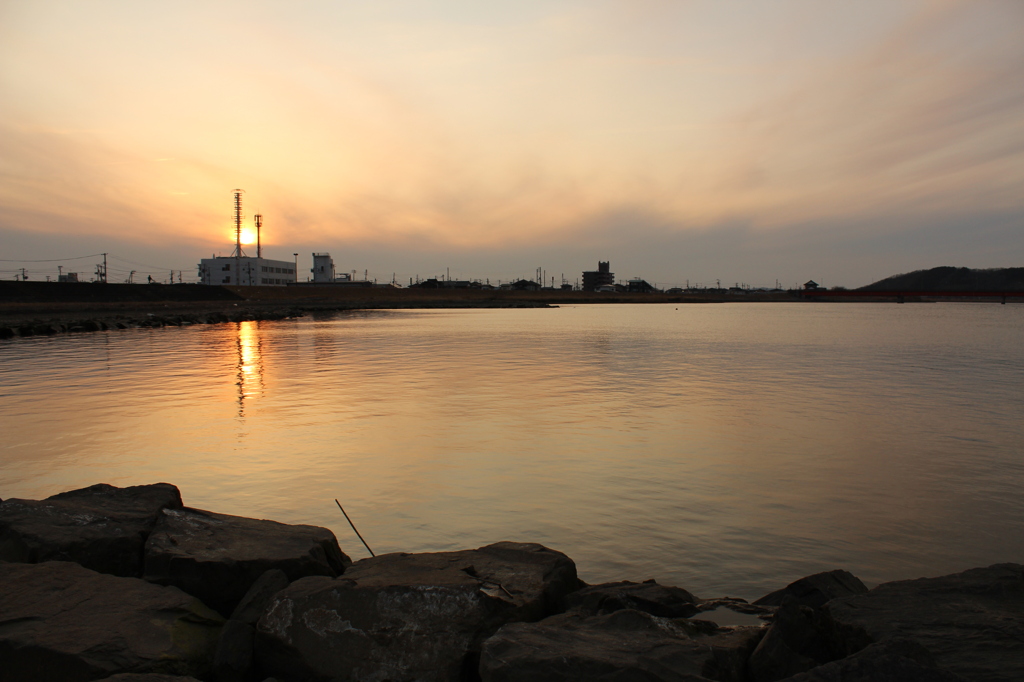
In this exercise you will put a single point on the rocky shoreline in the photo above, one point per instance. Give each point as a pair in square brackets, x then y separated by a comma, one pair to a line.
[94, 321]
[56, 324]
[128, 584]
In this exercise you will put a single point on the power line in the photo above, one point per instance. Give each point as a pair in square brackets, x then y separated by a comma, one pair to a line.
[143, 265]
[48, 260]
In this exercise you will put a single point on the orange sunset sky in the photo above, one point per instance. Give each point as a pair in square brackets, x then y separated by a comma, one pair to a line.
[681, 140]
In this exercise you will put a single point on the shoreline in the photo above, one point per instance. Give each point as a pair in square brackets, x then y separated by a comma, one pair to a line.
[49, 308]
[104, 581]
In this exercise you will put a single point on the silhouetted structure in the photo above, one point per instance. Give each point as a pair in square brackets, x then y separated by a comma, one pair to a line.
[525, 285]
[238, 268]
[434, 283]
[594, 279]
[639, 286]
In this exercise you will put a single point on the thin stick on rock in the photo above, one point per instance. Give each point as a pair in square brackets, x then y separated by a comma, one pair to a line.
[353, 527]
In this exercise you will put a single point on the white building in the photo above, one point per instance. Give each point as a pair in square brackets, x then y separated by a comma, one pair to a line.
[323, 270]
[246, 271]
[323, 267]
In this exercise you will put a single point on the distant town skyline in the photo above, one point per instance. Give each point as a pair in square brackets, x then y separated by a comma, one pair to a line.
[737, 141]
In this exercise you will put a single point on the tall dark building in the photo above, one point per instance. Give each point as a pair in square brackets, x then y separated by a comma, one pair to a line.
[593, 279]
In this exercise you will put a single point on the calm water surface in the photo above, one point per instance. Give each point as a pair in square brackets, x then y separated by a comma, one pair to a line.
[727, 449]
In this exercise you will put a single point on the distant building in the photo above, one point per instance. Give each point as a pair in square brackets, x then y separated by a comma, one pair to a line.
[246, 271]
[434, 283]
[639, 286]
[811, 284]
[325, 275]
[323, 268]
[68, 277]
[525, 285]
[593, 280]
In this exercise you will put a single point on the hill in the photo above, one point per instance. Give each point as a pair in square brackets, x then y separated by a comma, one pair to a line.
[948, 278]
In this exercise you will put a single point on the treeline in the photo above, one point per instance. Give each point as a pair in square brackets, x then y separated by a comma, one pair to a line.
[953, 279]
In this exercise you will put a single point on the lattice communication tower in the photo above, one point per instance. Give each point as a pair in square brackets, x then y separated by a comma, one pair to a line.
[238, 253]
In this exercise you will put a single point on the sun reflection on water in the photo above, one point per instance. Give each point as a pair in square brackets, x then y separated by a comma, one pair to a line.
[249, 345]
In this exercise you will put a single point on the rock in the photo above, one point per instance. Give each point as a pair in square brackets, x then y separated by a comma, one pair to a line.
[409, 616]
[800, 638]
[61, 621]
[233, 660]
[147, 677]
[648, 596]
[971, 622]
[259, 596]
[622, 645]
[101, 527]
[217, 557]
[892, 661]
[815, 590]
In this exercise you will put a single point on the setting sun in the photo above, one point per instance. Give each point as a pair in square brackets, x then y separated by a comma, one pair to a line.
[248, 236]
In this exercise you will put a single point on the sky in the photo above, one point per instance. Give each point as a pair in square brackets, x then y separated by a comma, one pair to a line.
[753, 141]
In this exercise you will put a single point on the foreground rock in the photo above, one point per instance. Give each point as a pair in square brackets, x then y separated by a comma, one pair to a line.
[147, 677]
[800, 638]
[233, 661]
[622, 645]
[101, 527]
[892, 661]
[61, 621]
[972, 623]
[409, 616]
[217, 557]
[648, 596]
[815, 590]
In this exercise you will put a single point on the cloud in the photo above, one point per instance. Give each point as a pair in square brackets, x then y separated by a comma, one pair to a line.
[454, 130]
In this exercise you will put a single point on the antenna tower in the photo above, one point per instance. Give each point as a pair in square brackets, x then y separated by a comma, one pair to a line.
[238, 253]
[259, 223]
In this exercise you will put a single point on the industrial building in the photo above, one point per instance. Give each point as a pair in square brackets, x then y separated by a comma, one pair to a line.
[324, 272]
[238, 269]
[246, 271]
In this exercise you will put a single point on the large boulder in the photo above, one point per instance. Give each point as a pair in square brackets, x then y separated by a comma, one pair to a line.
[409, 616]
[217, 557]
[799, 639]
[259, 596]
[972, 623]
[101, 527]
[622, 645]
[891, 661]
[61, 621]
[648, 596]
[233, 660]
[147, 677]
[815, 590]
